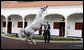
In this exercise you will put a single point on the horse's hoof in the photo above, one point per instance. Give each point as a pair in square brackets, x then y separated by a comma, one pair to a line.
[30, 43]
[34, 43]
[28, 40]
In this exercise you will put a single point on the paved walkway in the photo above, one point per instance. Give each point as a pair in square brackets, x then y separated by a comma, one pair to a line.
[8, 43]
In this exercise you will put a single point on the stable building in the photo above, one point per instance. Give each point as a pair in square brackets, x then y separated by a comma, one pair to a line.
[65, 17]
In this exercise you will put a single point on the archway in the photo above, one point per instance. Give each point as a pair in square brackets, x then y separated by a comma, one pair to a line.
[15, 22]
[57, 23]
[75, 22]
[3, 24]
[29, 19]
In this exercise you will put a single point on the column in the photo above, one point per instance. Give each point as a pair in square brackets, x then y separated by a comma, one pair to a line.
[66, 27]
[23, 22]
[23, 25]
[6, 25]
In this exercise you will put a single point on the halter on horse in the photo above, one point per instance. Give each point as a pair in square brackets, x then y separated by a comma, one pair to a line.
[34, 26]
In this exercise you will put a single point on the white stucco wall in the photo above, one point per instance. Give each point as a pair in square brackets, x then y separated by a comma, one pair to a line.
[62, 10]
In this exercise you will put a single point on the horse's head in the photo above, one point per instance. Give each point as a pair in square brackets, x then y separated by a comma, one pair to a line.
[44, 8]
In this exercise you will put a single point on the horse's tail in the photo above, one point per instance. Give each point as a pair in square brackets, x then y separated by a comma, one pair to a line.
[21, 31]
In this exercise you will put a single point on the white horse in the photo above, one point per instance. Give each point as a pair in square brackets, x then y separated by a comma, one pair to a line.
[34, 26]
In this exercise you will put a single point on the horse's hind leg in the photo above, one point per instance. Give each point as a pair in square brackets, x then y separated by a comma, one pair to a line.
[20, 34]
[29, 37]
[32, 40]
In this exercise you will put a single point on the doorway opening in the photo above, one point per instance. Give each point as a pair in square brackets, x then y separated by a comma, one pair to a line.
[62, 29]
[9, 30]
[25, 24]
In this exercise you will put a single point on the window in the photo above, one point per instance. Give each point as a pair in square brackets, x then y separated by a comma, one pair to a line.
[20, 24]
[56, 25]
[4, 24]
[78, 26]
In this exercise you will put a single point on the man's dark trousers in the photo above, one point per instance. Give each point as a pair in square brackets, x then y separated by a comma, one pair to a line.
[46, 36]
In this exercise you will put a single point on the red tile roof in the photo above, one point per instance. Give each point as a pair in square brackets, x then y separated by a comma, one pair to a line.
[11, 4]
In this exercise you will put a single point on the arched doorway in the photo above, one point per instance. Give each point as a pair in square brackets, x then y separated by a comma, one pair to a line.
[29, 19]
[3, 24]
[75, 25]
[57, 23]
[15, 23]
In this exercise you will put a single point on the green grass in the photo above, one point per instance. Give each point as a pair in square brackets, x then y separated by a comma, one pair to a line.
[52, 38]
[14, 36]
[57, 39]
[10, 36]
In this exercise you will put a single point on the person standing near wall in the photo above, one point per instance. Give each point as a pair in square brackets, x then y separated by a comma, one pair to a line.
[47, 32]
